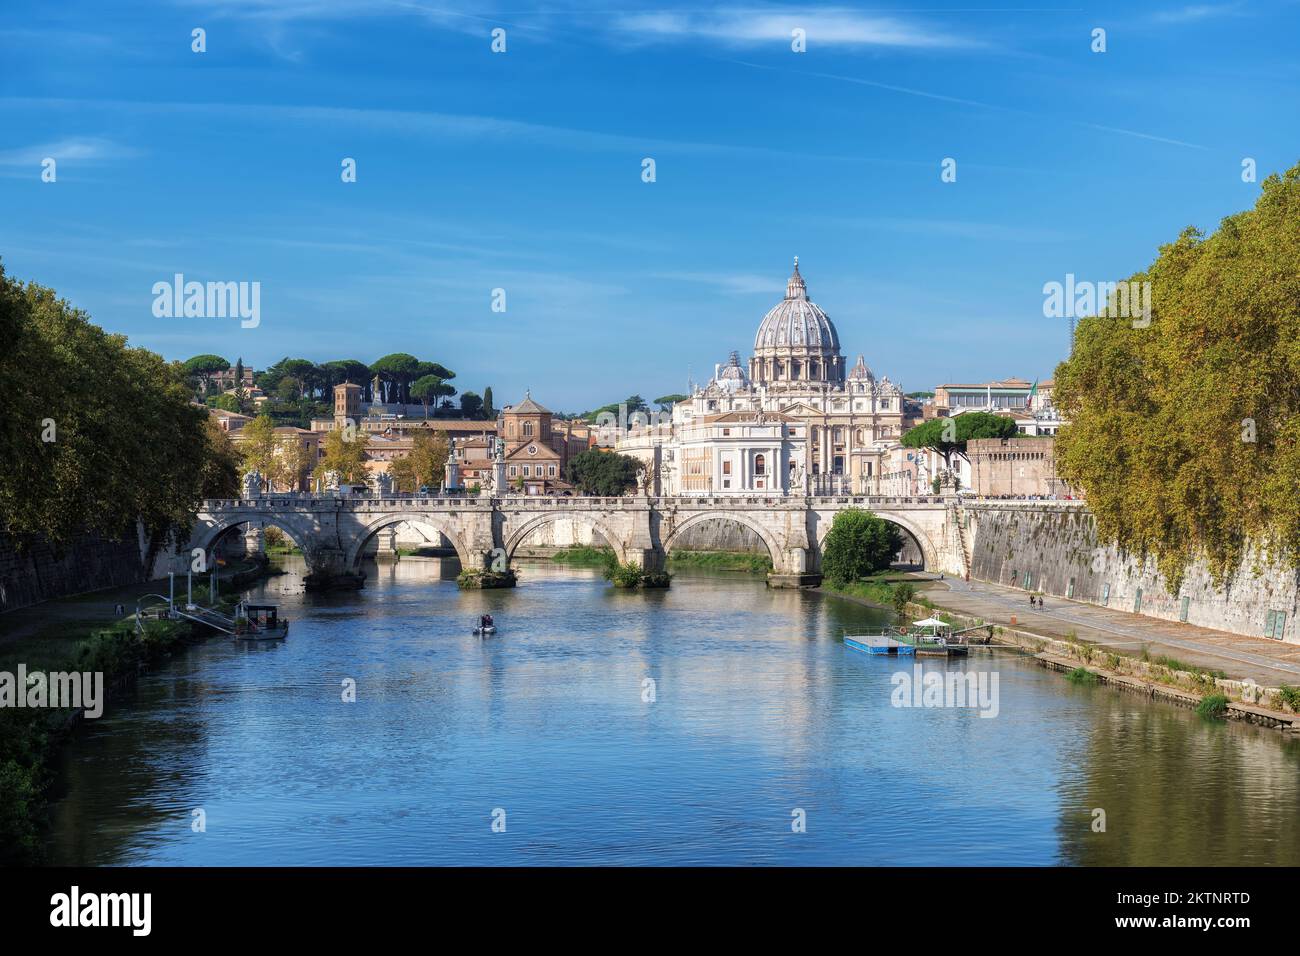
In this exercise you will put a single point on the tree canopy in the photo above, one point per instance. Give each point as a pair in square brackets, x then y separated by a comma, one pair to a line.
[1185, 430]
[948, 436]
[424, 465]
[596, 472]
[96, 435]
[859, 544]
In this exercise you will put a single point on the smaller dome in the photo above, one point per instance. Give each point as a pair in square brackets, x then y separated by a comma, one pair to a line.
[860, 372]
[732, 370]
[732, 375]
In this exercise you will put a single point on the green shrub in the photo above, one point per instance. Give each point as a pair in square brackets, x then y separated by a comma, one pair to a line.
[1212, 705]
[1290, 696]
[1081, 675]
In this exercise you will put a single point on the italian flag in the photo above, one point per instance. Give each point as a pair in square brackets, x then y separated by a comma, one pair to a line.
[1033, 392]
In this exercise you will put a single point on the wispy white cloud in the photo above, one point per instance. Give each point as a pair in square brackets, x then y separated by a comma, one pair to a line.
[79, 149]
[733, 283]
[1196, 11]
[823, 26]
[462, 126]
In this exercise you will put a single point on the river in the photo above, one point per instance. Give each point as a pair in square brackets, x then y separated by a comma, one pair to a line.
[546, 745]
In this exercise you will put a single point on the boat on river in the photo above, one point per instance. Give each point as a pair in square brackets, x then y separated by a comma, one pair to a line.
[485, 631]
[259, 622]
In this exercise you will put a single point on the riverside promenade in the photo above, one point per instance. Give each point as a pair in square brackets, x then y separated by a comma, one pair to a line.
[1268, 662]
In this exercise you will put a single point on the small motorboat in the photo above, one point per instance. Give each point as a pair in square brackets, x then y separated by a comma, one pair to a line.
[259, 622]
[485, 631]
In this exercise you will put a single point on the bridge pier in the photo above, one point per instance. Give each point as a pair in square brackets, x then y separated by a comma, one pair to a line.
[327, 570]
[794, 570]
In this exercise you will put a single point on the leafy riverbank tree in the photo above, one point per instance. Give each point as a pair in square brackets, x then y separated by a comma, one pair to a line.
[95, 434]
[604, 473]
[859, 544]
[425, 465]
[1185, 426]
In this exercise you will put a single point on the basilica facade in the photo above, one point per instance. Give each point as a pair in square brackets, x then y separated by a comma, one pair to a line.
[796, 420]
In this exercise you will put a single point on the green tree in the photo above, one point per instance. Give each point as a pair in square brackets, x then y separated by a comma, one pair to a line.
[105, 436]
[1185, 425]
[229, 403]
[948, 436]
[471, 406]
[347, 458]
[859, 544]
[424, 465]
[398, 369]
[429, 389]
[596, 472]
[258, 446]
[666, 402]
[489, 412]
[203, 367]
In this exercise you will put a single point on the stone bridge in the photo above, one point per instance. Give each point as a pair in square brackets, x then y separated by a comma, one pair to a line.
[333, 531]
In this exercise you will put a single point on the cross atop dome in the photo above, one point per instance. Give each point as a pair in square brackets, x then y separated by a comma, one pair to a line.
[795, 288]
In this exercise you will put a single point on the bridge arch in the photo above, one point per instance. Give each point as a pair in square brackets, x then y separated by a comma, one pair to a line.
[208, 538]
[929, 554]
[774, 549]
[520, 534]
[433, 521]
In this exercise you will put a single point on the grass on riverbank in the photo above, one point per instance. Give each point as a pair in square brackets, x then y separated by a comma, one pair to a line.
[584, 555]
[746, 561]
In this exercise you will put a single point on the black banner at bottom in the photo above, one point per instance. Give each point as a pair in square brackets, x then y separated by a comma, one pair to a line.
[333, 905]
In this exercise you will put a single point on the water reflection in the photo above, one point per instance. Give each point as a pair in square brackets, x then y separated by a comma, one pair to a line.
[759, 709]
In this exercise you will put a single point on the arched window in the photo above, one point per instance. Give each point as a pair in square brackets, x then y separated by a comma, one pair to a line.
[528, 429]
[760, 465]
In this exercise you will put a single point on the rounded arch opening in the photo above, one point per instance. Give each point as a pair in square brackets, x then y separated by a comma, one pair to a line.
[408, 532]
[230, 538]
[554, 532]
[719, 532]
[916, 553]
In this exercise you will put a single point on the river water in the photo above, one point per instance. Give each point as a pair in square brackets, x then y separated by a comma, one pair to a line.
[546, 744]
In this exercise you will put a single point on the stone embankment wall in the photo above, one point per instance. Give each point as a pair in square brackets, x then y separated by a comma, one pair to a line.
[1052, 547]
[38, 572]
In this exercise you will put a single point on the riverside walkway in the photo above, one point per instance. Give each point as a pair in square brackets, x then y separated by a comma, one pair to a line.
[1265, 661]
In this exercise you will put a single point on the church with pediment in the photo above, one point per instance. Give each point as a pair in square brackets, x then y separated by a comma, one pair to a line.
[796, 420]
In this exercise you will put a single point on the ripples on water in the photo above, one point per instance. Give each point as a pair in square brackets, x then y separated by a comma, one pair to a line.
[760, 709]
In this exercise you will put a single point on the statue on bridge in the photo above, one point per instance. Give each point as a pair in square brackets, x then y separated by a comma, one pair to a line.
[253, 484]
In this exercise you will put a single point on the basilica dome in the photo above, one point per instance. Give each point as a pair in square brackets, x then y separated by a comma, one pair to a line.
[796, 343]
[796, 320]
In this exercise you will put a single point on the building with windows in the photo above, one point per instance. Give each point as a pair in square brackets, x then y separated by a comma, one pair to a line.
[813, 421]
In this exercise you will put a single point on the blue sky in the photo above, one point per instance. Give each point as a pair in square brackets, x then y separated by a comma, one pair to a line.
[522, 171]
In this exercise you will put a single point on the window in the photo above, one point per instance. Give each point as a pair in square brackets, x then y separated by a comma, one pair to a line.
[726, 467]
[513, 471]
[1275, 624]
[760, 465]
[528, 472]
[550, 471]
[528, 429]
